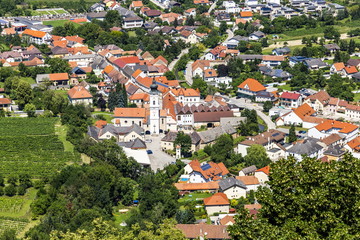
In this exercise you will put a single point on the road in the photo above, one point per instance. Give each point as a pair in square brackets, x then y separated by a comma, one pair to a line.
[230, 35]
[158, 159]
[188, 73]
[172, 64]
[158, 4]
[212, 7]
[242, 102]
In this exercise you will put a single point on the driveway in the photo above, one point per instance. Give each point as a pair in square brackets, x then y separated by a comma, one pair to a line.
[188, 73]
[246, 103]
[158, 159]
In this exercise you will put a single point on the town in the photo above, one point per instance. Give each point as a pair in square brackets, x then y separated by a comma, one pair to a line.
[194, 119]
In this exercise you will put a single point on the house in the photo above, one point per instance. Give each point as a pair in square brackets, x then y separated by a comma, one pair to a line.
[152, 13]
[234, 41]
[227, 220]
[97, 7]
[331, 47]
[251, 182]
[352, 112]
[205, 172]
[328, 127]
[354, 147]
[210, 135]
[246, 15]
[353, 62]
[57, 79]
[202, 231]
[275, 73]
[281, 51]
[256, 36]
[290, 100]
[136, 5]
[337, 67]
[185, 187]
[318, 101]
[190, 12]
[37, 37]
[349, 71]
[188, 36]
[296, 116]
[96, 15]
[211, 118]
[217, 203]
[79, 95]
[315, 64]
[231, 7]
[106, 131]
[201, 2]
[233, 188]
[5, 104]
[248, 171]
[132, 22]
[129, 116]
[167, 142]
[272, 61]
[271, 140]
[262, 174]
[309, 147]
[250, 87]
[59, 52]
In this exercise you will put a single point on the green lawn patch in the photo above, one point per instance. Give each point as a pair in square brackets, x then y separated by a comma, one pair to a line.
[61, 131]
[56, 23]
[356, 97]
[107, 115]
[194, 197]
[285, 87]
[29, 80]
[132, 34]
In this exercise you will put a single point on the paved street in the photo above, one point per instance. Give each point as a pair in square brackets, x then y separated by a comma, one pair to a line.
[248, 104]
[172, 64]
[212, 7]
[158, 4]
[188, 73]
[158, 159]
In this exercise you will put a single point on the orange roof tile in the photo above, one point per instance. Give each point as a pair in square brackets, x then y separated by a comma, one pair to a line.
[354, 144]
[137, 4]
[9, 31]
[100, 123]
[78, 92]
[5, 101]
[256, 206]
[140, 96]
[252, 85]
[188, 92]
[33, 33]
[265, 170]
[58, 76]
[240, 20]
[217, 199]
[75, 39]
[273, 58]
[62, 43]
[343, 127]
[246, 14]
[130, 112]
[137, 73]
[108, 69]
[339, 66]
[225, 220]
[351, 69]
[197, 186]
[248, 180]
[304, 110]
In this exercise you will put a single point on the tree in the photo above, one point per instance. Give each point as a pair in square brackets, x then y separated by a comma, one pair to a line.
[185, 216]
[223, 27]
[170, 75]
[199, 83]
[184, 141]
[222, 148]
[292, 134]
[23, 94]
[8, 234]
[58, 65]
[331, 33]
[194, 53]
[305, 200]
[30, 109]
[10, 190]
[256, 155]
[267, 106]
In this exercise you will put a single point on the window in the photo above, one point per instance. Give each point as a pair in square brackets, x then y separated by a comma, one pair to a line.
[153, 102]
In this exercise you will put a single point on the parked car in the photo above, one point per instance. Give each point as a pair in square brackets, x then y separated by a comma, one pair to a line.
[148, 140]
[302, 132]
[149, 152]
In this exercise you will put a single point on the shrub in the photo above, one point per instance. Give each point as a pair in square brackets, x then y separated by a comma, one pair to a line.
[10, 190]
[21, 190]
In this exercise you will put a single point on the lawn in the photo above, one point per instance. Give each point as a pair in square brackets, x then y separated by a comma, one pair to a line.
[56, 23]
[132, 34]
[61, 130]
[29, 80]
[107, 115]
[285, 87]
[194, 197]
[120, 217]
[356, 97]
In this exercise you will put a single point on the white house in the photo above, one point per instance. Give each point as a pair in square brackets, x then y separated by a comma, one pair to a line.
[205, 172]
[132, 22]
[217, 203]
[328, 127]
[37, 37]
[231, 7]
[290, 100]
[233, 188]
[79, 95]
[262, 174]
[309, 147]
[251, 182]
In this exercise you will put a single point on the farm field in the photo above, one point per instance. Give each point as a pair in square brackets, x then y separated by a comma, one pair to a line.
[31, 146]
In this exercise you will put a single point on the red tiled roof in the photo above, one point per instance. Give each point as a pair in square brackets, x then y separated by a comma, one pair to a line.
[197, 186]
[195, 231]
[58, 76]
[130, 112]
[351, 69]
[248, 180]
[290, 95]
[78, 92]
[5, 101]
[246, 14]
[217, 199]
[252, 85]
[342, 126]
[339, 66]
[304, 110]
[265, 170]
[33, 33]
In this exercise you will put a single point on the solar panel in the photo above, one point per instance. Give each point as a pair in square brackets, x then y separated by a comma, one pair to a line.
[275, 134]
[205, 167]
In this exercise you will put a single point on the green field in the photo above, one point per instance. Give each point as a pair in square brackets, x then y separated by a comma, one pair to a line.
[15, 211]
[56, 23]
[31, 146]
[48, 12]
[194, 197]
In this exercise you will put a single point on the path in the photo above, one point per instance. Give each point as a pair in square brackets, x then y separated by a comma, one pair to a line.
[173, 63]
[188, 73]
[160, 5]
[212, 7]
[298, 42]
[242, 102]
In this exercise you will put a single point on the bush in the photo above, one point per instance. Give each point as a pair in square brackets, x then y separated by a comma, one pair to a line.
[10, 190]
[21, 190]
[1, 191]
[39, 184]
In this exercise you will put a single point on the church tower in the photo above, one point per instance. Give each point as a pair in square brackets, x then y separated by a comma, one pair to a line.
[154, 126]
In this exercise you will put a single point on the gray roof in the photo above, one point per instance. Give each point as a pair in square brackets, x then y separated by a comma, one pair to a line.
[307, 147]
[125, 12]
[97, 14]
[315, 62]
[356, 76]
[99, 63]
[137, 143]
[59, 50]
[334, 151]
[240, 38]
[332, 46]
[230, 182]
[248, 170]
[83, 56]
[258, 34]
[283, 50]
[250, 57]
[95, 132]
[171, 136]
[212, 134]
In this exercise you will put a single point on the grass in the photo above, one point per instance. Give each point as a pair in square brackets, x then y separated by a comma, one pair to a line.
[194, 197]
[121, 217]
[17, 206]
[29, 80]
[61, 130]
[132, 34]
[296, 128]
[262, 122]
[184, 85]
[107, 115]
[63, 93]
[356, 97]
[285, 87]
[56, 23]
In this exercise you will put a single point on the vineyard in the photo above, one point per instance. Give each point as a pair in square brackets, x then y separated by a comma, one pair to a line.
[18, 224]
[30, 146]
